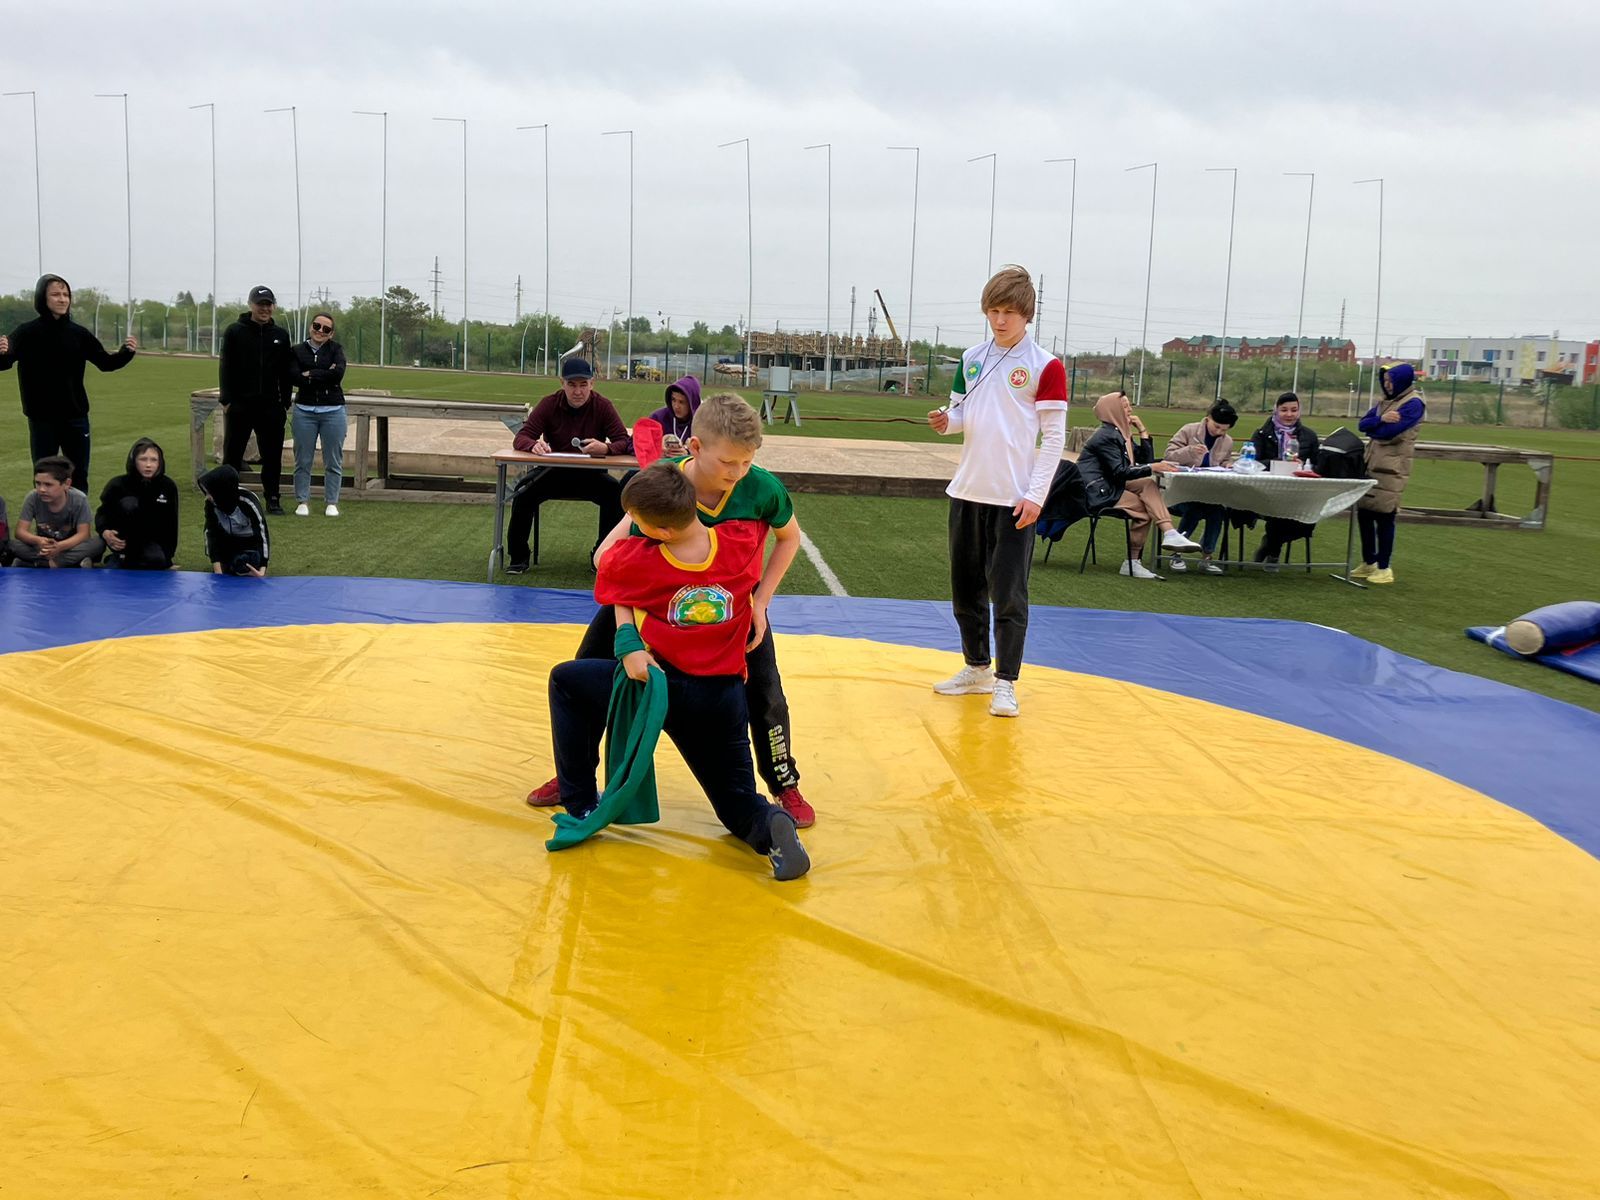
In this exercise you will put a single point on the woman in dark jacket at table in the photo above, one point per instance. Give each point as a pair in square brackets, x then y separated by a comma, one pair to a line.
[1118, 474]
[1284, 436]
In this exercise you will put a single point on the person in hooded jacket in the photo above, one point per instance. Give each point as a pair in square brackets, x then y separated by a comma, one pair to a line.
[1391, 424]
[138, 513]
[676, 416]
[256, 373]
[236, 528]
[52, 352]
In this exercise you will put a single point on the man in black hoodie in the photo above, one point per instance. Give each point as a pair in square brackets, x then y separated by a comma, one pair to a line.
[138, 513]
[257, 377]
[53, 350]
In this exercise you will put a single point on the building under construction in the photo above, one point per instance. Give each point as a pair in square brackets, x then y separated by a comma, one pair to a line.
[807, 351]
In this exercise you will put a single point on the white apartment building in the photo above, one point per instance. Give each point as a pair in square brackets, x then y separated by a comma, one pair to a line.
[1503, 360]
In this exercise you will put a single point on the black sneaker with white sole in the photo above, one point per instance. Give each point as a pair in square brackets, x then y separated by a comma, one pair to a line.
[516, 568]
[789, 857]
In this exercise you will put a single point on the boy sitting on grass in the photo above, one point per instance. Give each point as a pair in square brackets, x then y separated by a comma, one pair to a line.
[729, 487]
[683, 597]
[53, 526]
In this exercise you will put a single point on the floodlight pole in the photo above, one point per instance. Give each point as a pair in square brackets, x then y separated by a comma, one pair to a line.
[383, 243]
[213, 113]
[994, 169]
[1227, 287]
[619, 133]
[1305, 263]
[38, 204]
[462, 121]
[1072, 222]
[750, 257]
[545, 128]
[911, 286]
[127, 179]
[1377, 316]
[299, 243]
[1144, 336]
[827, 303]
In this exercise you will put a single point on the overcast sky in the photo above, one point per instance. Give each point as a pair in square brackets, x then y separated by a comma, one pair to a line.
[1483, 119]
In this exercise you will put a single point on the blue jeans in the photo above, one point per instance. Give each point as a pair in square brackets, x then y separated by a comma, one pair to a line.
[1193, 513]
[308, 427]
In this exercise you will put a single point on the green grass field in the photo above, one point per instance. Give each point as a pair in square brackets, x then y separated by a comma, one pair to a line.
[1448, 577]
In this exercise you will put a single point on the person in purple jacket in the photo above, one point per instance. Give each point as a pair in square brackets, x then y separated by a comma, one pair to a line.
[676, 416]
[1391, 425]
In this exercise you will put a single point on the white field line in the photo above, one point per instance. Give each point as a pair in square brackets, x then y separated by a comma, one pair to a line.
[823, 569]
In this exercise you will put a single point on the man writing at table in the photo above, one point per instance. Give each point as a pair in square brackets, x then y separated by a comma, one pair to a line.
[575, 420]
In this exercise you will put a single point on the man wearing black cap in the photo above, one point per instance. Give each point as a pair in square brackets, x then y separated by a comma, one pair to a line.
[257, 380]
[576, 414]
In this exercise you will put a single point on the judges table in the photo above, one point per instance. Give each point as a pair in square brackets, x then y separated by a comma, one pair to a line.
[1291, 497]
[504, 459]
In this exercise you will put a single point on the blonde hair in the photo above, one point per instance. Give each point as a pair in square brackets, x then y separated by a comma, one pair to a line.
[726, 417]
[1011, 287]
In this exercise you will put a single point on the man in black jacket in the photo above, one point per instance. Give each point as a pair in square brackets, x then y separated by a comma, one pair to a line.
[256, 368]
[53, 351]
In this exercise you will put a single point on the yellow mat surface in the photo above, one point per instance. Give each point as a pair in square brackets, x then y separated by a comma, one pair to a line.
[274, 921]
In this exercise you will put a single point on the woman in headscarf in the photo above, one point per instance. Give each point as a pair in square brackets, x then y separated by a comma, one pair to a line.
[1119, 473]
[1284, 437]
[138, 513]
[53, 351]
[1391, 424]
[236, 525]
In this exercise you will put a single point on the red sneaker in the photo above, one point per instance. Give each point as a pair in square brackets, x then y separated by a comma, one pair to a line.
[546, 795]
[795, 805]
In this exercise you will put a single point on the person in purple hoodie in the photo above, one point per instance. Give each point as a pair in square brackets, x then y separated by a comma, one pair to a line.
[1391, 424]
[676, 416]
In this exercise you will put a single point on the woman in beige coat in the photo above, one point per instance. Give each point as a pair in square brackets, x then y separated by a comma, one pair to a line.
[1391, 424]
[1203, 443]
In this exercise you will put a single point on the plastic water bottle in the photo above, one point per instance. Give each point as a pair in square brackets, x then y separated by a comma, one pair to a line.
[1292, 450]
[1247, 464]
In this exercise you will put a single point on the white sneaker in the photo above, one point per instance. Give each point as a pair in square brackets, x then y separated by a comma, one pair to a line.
[1137, 569]
[1173, 540]
[1178, 564]
[969, 681]
[1210, 567]
[331, 511]
[302, 510]
[1004, 701]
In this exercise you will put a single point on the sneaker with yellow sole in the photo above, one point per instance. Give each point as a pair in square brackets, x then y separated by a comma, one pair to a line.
[1364, 571]
[1381, 575]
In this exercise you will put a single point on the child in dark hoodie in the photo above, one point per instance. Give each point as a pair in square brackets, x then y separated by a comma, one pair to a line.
[138, 513]
[236, 525]
[676, 417]
[53, 351]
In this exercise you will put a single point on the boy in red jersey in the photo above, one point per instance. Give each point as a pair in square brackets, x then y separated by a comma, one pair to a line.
[682, 595]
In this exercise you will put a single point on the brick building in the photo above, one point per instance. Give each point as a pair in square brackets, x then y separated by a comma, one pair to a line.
[1311, 349]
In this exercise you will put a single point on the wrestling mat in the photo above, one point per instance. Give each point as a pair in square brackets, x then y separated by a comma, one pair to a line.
[1236, 908]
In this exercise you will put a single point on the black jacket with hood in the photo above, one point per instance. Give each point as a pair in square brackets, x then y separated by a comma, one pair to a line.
[52, 352]
[236, 524]
[144, 512]
[256, 365]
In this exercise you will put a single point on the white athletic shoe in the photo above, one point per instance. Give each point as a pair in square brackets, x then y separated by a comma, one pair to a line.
[1210, 567]
[302, 510]
[331, 511]
[969, 681]
[1004, 701]
[1137, 569]
[1173, 540]
[1178, 564]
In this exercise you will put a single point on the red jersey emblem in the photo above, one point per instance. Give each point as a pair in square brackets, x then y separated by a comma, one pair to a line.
[1019, 377]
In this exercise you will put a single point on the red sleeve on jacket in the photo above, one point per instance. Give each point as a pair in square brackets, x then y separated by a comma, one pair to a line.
[1052, 382]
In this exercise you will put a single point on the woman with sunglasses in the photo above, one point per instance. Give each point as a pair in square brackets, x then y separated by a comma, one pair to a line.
[319, 366]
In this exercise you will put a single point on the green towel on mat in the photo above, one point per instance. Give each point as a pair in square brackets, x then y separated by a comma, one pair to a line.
[633, 726]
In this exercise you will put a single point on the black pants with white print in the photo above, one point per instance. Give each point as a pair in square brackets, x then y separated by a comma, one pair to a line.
[989, 563]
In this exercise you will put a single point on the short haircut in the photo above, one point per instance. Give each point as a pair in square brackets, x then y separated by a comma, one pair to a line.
[57, 466]
[660, 495]
[726, 417]
[332, 320]
[1287, 398]
[1223, 414]
[1011, 287]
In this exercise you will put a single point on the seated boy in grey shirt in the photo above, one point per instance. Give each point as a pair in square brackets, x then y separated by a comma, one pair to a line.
[53, 528]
